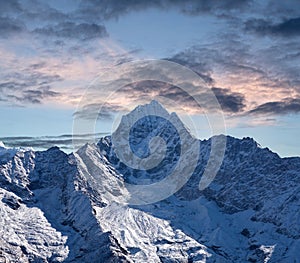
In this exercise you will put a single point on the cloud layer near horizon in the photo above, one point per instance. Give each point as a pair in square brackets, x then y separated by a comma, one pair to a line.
[66, 142]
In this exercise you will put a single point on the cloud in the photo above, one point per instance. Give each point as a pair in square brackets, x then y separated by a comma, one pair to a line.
[27, 78]
[272, 72]
[32, 87]
[98, 111]
[204, 59]
[17, 82]
[195, 63]
[287, 28]
[11, 85]
[235, 65]
[42, 11]
[66, 142]
[140, 92]
[9, 6]
[37, 65]
[9, 26]
[288, 8]
[108, 9]
[232, 102]
[37, 96]
[286, 106]
[71, 30]
[33, 96]
[16, 17]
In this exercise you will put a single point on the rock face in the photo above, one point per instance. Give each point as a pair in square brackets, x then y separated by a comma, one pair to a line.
[56, 207]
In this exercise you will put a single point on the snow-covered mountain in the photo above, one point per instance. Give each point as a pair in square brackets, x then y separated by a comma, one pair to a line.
[56, 207]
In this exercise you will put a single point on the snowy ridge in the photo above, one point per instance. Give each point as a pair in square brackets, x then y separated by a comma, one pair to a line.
[56, 207]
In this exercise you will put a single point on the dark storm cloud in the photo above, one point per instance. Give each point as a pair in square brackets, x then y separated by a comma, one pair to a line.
[71, 30]
[285, 106]
[287, 28]
[98, 111]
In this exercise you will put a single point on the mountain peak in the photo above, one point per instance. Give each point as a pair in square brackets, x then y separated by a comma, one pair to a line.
[147, 120]
[154, 104]
[152, 108]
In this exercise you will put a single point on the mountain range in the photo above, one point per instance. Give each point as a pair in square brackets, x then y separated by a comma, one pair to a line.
[80, 207]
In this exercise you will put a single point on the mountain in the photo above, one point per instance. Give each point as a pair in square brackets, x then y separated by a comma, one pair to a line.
[95, 205]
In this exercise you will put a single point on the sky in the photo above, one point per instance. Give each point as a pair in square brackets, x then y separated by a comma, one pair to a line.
[247, 52]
